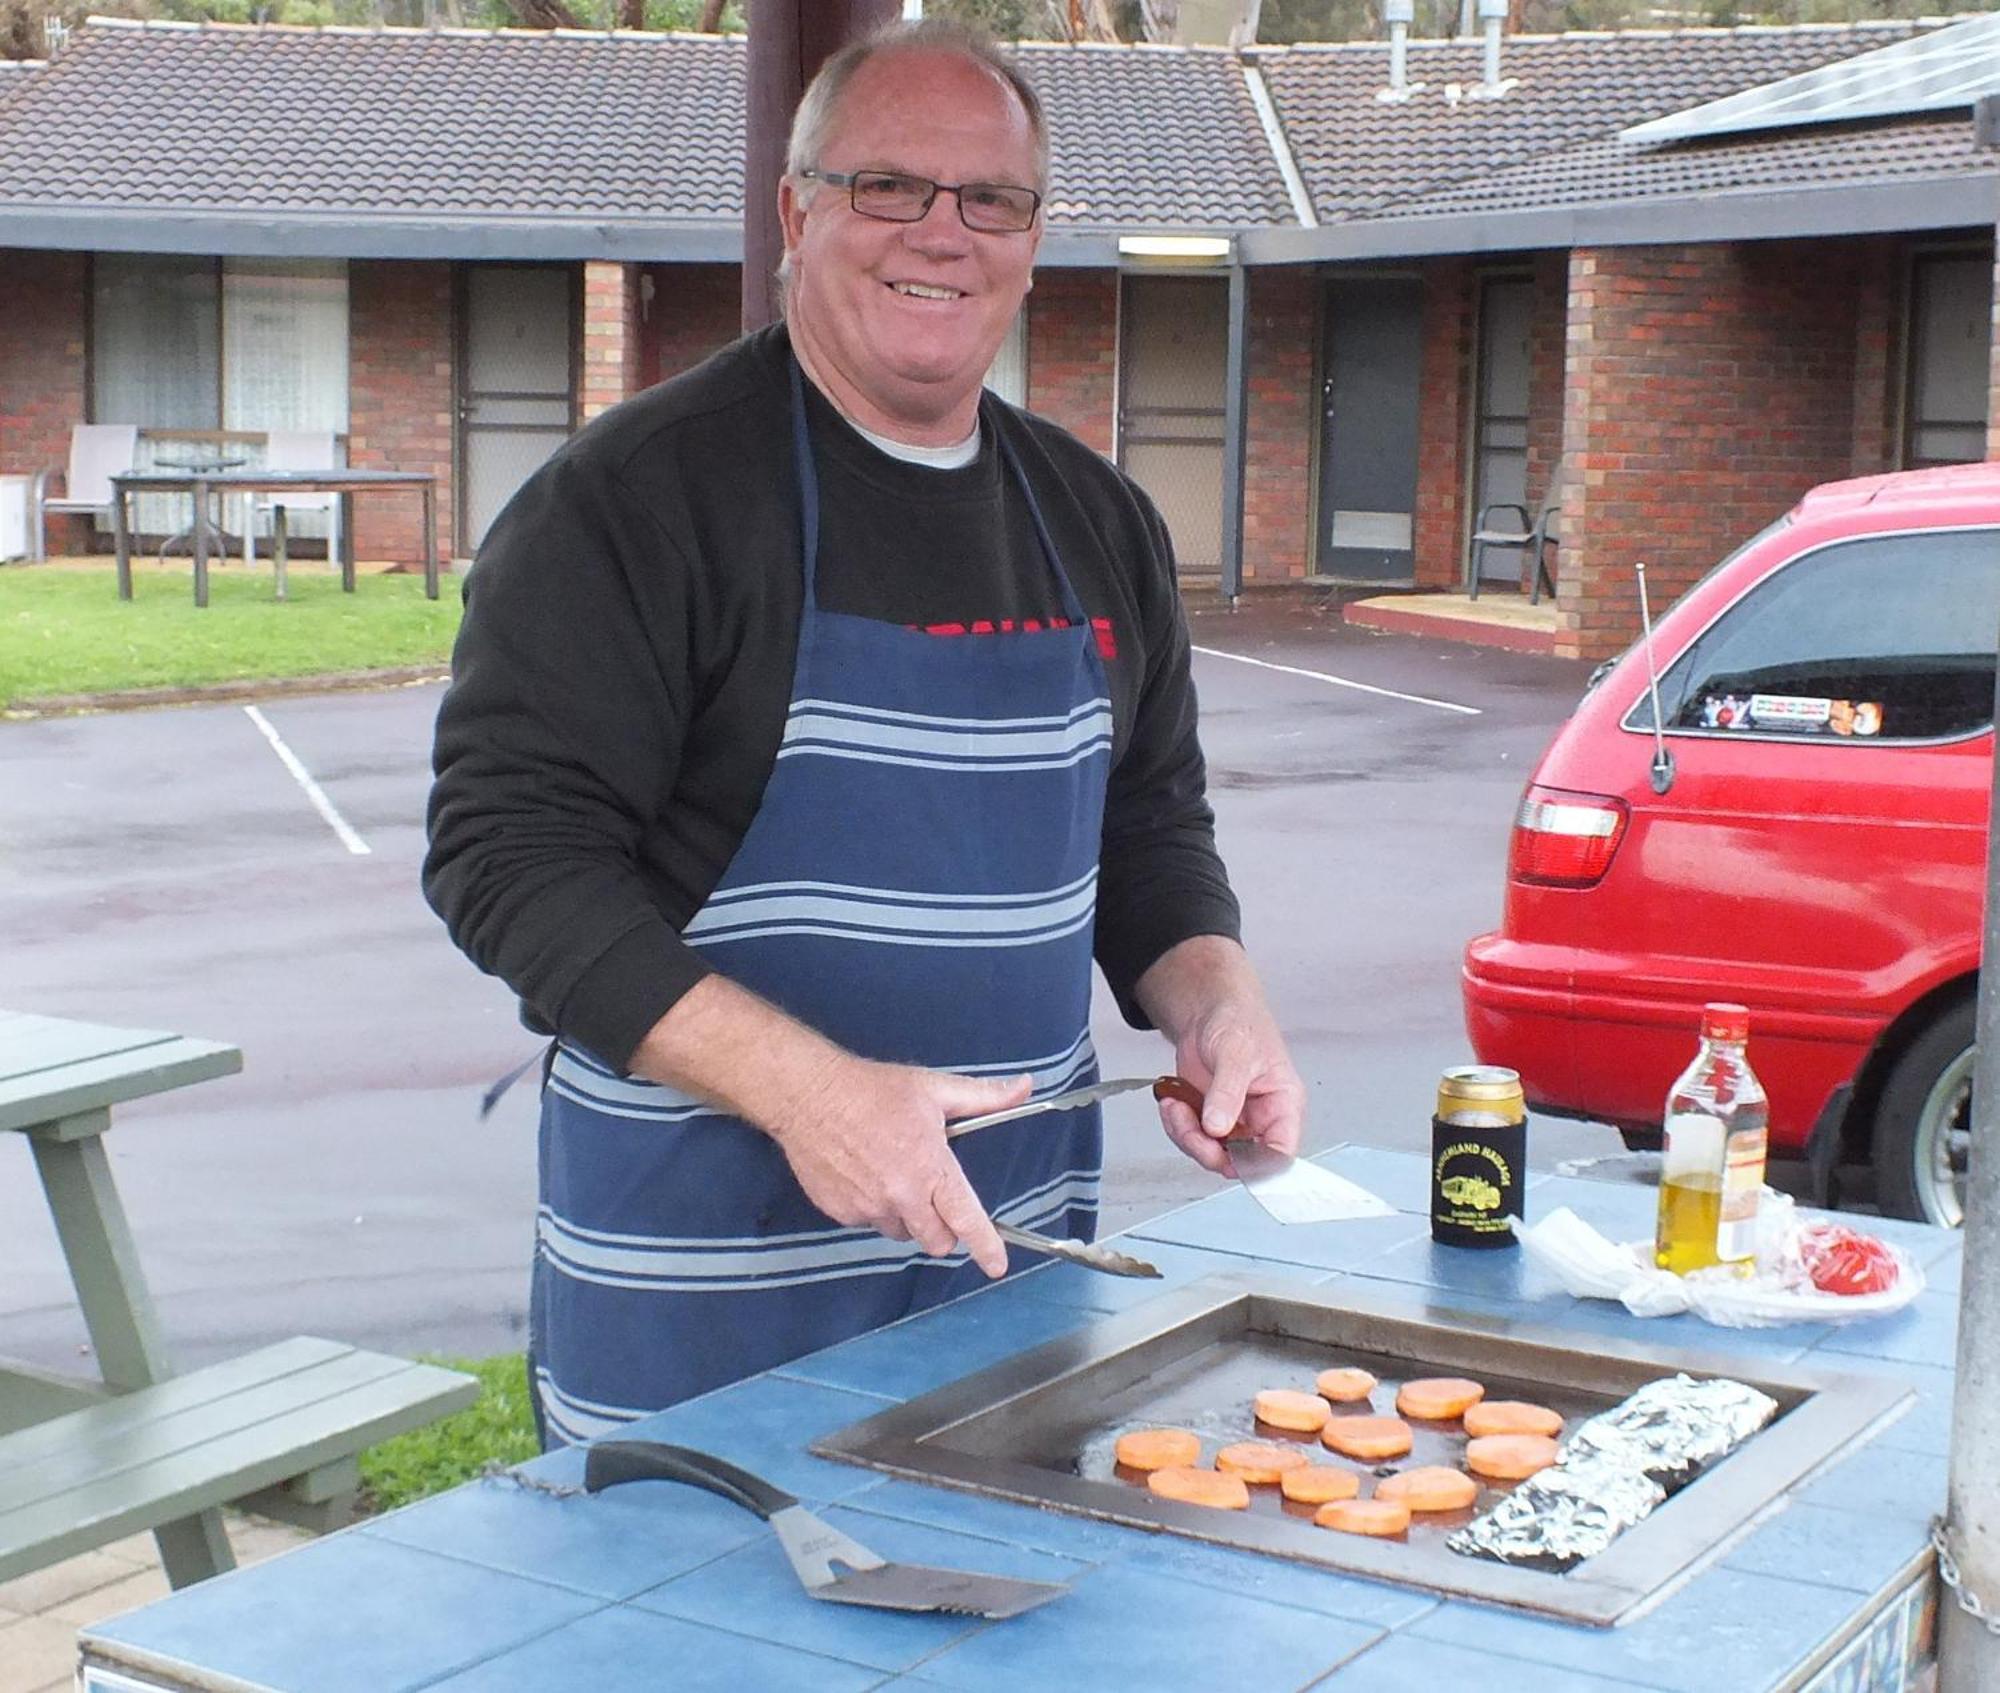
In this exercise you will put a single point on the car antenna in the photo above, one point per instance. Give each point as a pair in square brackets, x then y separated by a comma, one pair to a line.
[1663, 761]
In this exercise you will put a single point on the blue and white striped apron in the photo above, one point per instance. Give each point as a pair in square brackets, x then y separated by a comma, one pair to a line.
[919, 884]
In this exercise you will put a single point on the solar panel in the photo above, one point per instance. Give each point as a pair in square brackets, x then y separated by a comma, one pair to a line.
[1949, 68]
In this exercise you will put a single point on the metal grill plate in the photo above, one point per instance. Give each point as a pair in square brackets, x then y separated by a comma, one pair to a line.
[1039, 1428]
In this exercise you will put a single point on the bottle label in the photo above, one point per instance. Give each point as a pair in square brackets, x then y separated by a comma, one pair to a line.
[1694, 1145]
[1742, 1187]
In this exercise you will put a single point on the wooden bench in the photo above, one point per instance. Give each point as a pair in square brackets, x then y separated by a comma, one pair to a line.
[159, 1458]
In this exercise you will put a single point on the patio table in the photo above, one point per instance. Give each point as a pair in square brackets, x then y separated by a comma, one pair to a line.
[201, 483]
[495, 1589]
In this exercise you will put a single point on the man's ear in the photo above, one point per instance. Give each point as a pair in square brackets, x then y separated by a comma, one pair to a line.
[791, 213]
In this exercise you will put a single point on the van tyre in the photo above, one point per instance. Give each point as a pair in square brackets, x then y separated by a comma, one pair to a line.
[1921, 1122]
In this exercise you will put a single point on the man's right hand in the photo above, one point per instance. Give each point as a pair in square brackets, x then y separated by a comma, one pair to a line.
[867, 1144]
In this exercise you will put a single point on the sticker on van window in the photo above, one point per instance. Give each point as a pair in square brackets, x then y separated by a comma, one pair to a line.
[1799, 714]
[1789, 711]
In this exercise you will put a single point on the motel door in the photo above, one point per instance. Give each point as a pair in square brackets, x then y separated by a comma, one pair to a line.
[1368, 429]
[1172, 376]
[517, 382]
[1500, 423]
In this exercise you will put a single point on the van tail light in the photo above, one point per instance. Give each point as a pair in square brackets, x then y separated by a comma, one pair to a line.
[1565, 840]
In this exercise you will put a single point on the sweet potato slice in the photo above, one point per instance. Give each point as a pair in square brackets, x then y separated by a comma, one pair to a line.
[1318, 1484]
[1438, 1399]
[1511, 1416]
[1431, 1487]
[1380, 1517]
[1346, 1386]
[1282, 1407]
[1372, 1438]
[1509, 1457]
[1201, 1487]
[1158, 1448]
[1258, 1462]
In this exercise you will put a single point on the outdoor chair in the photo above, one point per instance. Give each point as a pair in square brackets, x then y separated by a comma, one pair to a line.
[97, 452]
[295, 449]
[1537, 535]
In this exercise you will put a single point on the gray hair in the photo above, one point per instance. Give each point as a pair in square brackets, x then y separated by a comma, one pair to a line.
[813, 121]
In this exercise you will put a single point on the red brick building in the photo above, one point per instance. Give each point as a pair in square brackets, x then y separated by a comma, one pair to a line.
[451, 248]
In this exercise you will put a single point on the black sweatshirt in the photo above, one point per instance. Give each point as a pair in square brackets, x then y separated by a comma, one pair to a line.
[620, 681]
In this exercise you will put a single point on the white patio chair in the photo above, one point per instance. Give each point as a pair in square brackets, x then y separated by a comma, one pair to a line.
[97, 452]
[295, 449]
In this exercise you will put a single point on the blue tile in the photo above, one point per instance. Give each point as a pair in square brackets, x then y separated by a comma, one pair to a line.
[755, 1592]
[927, 1351]
[1925, 1331]
[1582, 1320]
[1071, 1284]
[1947, 1273]
[1854, 1550]
[765, 1424]
[1124, 1628]
[1622, 1210]
[1404, 1663]
[1500, 1273]
[1750, 1629]
[639, 1650]
[348, 1614]
[1925, 1426]
[1232, 1223]
[1883, 1480]
[609, 1546]
[1307, 1587]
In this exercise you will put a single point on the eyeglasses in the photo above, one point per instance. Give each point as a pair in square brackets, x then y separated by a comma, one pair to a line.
[997, 208]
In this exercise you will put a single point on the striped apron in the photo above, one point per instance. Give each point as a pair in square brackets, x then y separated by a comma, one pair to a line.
[919, 884]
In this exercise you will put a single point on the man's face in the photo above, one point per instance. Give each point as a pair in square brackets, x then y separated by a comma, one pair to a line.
[906, 317]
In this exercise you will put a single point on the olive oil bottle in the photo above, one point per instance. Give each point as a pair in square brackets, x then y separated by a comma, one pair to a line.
[1712, 1173]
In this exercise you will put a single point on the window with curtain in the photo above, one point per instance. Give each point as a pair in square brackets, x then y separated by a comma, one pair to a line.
[190, 343]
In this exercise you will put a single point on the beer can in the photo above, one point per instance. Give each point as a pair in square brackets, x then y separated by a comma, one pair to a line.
[1479, 1146]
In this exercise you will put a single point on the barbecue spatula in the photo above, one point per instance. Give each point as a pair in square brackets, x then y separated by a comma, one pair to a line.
[829, 1565]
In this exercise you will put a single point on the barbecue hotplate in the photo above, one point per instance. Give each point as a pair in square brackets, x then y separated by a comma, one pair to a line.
[1040, 1427]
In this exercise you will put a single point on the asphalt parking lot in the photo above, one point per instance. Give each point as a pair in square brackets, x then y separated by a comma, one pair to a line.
[172, 869]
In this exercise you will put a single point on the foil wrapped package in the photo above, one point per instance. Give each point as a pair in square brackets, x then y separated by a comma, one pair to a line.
[1614, 1469]
[1670, 1429]
[1556, 1519]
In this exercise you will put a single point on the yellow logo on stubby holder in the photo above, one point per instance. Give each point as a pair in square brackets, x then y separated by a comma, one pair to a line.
[1481, 1195]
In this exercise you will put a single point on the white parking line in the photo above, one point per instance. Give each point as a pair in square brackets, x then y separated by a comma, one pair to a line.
[1343, 682]
[314, 792]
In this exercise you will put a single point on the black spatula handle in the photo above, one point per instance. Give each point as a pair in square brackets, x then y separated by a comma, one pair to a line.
[609, 1462]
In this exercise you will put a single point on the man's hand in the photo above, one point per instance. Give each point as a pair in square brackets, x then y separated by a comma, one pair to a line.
[1205, 997]
[868, 1146]
[866, 1141]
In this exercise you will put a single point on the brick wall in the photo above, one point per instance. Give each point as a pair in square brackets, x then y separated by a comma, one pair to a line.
[1445, 388]
[1879, 350]
[42, 370]
[609, 369]
[1707, 388]
[1278, 472]
[693, 311]
[1073, 352]
[1546, 349]
[400, 399]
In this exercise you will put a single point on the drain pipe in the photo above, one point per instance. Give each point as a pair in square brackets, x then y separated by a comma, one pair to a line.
[1969, 1537]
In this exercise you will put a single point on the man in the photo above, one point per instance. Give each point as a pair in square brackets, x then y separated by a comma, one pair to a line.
[812, 720]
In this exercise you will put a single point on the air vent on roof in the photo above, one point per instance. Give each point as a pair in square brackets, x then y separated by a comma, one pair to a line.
[1948, 69]
[56, 33]
[1492, 18]
[1986, 121]
[1399, 15]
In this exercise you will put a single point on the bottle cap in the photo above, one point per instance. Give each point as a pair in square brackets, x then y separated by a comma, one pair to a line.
[1723, 1021]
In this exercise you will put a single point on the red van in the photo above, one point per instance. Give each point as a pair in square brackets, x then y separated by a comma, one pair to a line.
[1806, 834]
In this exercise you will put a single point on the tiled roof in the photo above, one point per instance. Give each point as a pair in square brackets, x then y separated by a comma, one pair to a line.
[1362, 156]
[580, 125]
[631, 144]
[386, 121]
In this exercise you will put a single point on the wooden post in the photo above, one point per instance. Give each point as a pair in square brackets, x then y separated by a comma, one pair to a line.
[789, 41]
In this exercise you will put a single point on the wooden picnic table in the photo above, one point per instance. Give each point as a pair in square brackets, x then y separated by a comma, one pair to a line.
[83, 1462]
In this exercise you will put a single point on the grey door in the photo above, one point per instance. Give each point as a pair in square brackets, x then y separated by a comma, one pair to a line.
[1500, 418]
[1368, 428]
[516, 382]
[1172, 373]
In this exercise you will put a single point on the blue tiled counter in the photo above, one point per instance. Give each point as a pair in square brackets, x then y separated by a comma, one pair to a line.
[494, 1589]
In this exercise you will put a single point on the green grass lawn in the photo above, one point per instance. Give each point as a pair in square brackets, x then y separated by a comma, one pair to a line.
[498, 1428]
[64, 630]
